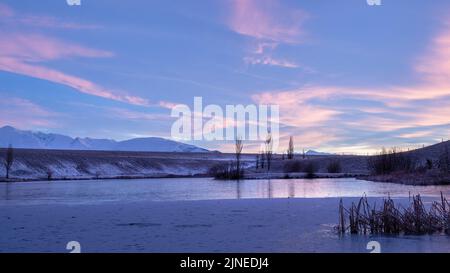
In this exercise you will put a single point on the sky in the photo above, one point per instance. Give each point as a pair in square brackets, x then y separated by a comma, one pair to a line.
[348, 77]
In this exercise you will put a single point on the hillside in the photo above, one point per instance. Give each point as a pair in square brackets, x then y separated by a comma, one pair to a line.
[39, 164]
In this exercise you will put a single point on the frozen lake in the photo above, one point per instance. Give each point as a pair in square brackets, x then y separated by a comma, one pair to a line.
[185, 189]
[197, 215]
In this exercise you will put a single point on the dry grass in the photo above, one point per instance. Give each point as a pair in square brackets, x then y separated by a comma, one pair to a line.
[390, 219]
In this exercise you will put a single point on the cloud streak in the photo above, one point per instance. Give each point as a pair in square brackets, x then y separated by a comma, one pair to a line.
[22, 113]
[267, 20]
[24, 53]
[10, 17]
[401, 111]
[267, 60]
[269, 24]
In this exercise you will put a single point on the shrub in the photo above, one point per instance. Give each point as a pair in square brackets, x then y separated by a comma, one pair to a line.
[226, 172]
[334, 166]
[444, 161]
[292, 167]
[49, 173]
[429, 164]
[310, 170]
[391, 161]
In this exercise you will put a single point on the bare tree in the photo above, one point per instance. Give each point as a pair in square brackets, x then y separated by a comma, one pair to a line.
[262, 159]
[238, 151]
[290, 151]
[9, 159]
[444, 161]
[49, 174]
[269, 149]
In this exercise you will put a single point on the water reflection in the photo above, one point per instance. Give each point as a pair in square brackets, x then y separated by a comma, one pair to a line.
[95, 191]
[238, 189]
[291, 192]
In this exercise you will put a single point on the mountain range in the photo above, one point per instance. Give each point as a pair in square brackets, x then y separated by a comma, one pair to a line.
[39, 140]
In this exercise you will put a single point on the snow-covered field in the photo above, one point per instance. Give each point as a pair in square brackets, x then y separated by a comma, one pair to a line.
[252, 225]
[76, 164]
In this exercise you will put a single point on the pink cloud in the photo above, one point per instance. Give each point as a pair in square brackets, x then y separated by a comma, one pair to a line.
[35, 47]
[22, 113]
[312, 108]
[435, 65]
[10, 16]
[261, 47]
[268, 20]
[167, 104]
[20, 53]
[15, 66]
[294, 108]
[400, 104]
[270, 24]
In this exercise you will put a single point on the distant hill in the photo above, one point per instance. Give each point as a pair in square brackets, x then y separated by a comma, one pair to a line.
[38, 140]
[312, 152]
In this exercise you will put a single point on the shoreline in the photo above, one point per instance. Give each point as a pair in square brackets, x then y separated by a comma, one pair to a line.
[252, 176]
[125, 177]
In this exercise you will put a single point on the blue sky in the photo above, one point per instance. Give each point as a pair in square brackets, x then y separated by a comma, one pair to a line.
[348, 77]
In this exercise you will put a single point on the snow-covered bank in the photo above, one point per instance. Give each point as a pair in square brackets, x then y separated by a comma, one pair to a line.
[32, 164]
[299, 175]
[258, 225]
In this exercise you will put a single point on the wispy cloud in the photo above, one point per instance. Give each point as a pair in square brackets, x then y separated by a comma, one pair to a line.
[267, 60]
[22, 54]
[435, 65]
[84, 86]
[22, 113]
[9, 16]
[267, 20]
[167, 104]
[270, 24]
[36, 48]
[393, 112]
[127, 114]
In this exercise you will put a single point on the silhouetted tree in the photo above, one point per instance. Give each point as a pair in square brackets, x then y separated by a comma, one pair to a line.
[429, 164]
[9, 160]
[290, 151]
[262, 159]
[310, 170]
[238, 151]
[269, 149]
[334, 166]
[444, 161]
[391, 161]
[49, 174]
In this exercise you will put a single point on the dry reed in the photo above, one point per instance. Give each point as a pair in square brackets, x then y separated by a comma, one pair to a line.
[390, 219]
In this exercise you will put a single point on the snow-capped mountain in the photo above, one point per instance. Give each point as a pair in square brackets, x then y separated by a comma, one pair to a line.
[312, 152]
[38, 140]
